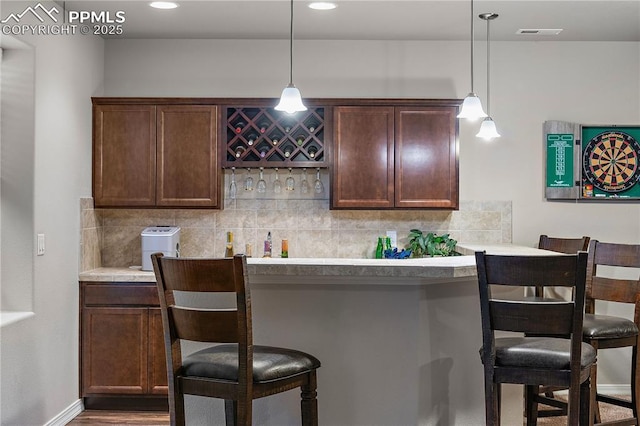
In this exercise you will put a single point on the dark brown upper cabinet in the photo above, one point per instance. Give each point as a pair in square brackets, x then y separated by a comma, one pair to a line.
[148, 153]
[395, 154]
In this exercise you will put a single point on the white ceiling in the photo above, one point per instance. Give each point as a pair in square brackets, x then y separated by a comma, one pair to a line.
[584, 20]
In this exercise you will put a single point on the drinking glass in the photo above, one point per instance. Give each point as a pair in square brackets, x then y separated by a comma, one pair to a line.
[233, 189]
[248, 182]
[277, 186]
[262, 184]
[289, 183]
[318, 186]
[304, 185]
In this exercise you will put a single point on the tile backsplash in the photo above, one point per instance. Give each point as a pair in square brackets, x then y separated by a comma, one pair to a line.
[111, 237]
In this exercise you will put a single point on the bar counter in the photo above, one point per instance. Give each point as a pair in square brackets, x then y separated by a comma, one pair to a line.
[430, 270]
[398, 339]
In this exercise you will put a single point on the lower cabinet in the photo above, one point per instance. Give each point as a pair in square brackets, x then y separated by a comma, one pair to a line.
[122, 357]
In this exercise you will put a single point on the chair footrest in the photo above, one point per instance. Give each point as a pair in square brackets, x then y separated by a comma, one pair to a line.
[620, 402]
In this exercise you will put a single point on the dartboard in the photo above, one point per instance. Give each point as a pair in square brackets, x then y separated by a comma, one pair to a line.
[610, 161]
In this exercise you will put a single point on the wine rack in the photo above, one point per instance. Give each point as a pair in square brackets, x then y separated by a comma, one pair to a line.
[264, 137]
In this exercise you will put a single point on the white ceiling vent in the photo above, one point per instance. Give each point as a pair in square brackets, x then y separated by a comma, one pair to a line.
[539, 31]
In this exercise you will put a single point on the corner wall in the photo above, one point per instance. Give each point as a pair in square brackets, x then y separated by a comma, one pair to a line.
[39, 367]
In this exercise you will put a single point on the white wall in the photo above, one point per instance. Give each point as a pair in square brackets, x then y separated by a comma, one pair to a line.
[39, 367]
[531, 82]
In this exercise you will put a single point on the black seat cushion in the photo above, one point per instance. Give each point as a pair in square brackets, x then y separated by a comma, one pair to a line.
[540, 352]
[606, 327]
[269, 363]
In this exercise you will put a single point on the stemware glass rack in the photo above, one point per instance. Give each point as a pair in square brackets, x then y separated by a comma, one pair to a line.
[264, 137]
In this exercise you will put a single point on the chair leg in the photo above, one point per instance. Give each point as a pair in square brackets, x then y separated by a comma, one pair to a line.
[176, 406]
[595, 408]
[635, 380]
[586, 409]
[575, 404]
[309, 401]
[230, 409]
[492, 403]
[530, 404]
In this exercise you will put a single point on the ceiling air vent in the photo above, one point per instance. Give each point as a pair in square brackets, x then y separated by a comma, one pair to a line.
[539, 31]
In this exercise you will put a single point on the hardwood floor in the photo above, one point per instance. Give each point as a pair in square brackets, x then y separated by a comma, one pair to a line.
[113, 418]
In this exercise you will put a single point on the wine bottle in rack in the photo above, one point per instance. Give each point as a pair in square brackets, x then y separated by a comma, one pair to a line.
[263, 152]
[287, 152]
[252, 139]
[300, 140]
[239, 151]
[264, 126]
[239, 126]
[312, 152]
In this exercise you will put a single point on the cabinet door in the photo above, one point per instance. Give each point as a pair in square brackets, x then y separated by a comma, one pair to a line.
[114, 350]
[124, 155]
[426, 157]
[363, 157]
[188, 165]
[157, 358]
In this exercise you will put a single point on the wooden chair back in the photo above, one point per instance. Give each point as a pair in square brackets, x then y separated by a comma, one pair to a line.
[623, 290]
[548, 318]
[561, 245]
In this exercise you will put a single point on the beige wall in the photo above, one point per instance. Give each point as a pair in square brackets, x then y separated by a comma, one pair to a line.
[531, 82]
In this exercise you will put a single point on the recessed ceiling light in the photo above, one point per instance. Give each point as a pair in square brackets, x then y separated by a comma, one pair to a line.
[322, 5]
[163, 4]
[539, 31]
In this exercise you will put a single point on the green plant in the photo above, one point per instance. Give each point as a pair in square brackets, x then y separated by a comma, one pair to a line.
[431, 244]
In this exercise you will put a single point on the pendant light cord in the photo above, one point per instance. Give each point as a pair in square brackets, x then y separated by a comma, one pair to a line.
[291, 46]
[472, 43]
[488, 69]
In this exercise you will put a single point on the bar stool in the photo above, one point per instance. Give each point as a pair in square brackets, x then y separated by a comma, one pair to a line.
[234, 370]
[536, 360]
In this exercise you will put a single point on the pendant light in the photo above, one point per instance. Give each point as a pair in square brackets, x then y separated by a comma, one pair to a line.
[488, 129]
[291, 100]
[471, 106]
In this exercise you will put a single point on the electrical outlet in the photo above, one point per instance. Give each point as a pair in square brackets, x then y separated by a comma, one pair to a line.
[40, 249]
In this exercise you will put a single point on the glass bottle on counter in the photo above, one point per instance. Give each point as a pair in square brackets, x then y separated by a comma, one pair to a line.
[228, 252]
[285, 249]
[379, 249]
[267, 246]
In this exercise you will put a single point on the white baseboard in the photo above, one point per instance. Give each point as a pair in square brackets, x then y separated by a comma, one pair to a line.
[67, 414]
[624, 390]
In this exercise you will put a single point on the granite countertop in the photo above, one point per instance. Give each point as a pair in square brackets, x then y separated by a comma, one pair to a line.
[438, 269]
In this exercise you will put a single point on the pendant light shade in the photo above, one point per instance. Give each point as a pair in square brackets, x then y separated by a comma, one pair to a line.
[472, 107]
[488, 128]
[291, 100]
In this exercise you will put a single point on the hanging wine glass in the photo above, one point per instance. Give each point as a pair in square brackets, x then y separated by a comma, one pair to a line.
[261, 186]
[289, 183]
[277, 185]
[304, 185]
[248, 182]
[233, 189]
[318, 186]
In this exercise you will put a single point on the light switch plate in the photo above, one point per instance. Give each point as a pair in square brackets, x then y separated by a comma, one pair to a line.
[40, 249]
